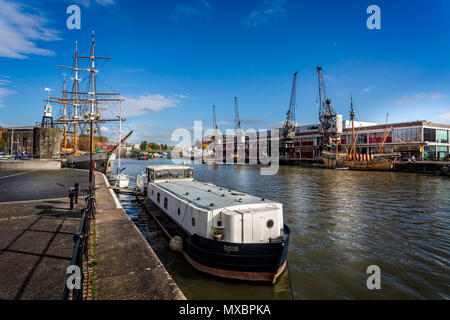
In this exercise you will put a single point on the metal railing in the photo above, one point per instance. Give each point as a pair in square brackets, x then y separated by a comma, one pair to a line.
[75, 277]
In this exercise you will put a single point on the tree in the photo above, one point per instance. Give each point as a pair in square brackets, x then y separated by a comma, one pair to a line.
[143, 146]
[154, 146]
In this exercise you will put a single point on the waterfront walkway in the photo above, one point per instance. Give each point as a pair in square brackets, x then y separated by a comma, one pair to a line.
[128, 267]
[36, 245]
[36, 241]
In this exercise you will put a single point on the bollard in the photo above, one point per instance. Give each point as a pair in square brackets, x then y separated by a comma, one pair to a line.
[71, 196]
[77, 189]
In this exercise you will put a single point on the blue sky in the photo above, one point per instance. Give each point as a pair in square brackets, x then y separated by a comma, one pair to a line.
[172, 60]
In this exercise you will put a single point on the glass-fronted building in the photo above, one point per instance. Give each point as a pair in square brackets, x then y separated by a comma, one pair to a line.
[422, 139]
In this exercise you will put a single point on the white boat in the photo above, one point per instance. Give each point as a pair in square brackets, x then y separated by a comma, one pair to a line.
[141, 182]
[220, 231]
[120, 179]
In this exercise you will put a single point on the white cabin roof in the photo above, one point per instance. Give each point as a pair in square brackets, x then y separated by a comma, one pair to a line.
[168, 167]
[204, 194]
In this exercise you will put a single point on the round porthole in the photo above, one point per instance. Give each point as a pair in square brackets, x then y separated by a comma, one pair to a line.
[193, 221]
[269, 223]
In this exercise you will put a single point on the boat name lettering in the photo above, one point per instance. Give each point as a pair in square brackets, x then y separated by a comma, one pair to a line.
[229, 249]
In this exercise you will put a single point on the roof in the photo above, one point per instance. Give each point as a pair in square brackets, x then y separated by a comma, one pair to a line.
[204, 194]
[168, 167]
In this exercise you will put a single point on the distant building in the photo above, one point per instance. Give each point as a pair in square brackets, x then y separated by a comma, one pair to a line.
[422, 139]
[40, 142]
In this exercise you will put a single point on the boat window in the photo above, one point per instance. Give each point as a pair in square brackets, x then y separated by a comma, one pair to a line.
[177, 174]
[178, 211]
[165, 203]
[269, 223]
[158, 197]
[189, 173]
[162, 175]
[193, 221]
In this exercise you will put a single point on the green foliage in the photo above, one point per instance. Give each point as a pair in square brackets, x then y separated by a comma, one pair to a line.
[143, 146]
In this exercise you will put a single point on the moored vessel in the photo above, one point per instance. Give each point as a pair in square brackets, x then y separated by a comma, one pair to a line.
[380, 161]
[222, 232]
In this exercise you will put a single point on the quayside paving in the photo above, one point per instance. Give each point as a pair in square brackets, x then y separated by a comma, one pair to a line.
[36, 245]
[128, 268]
[36, 241]
[36, 231]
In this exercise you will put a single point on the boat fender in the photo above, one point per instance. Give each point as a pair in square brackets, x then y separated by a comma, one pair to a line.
[176, 243]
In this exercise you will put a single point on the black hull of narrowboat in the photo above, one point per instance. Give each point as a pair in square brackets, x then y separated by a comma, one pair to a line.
[243, 261]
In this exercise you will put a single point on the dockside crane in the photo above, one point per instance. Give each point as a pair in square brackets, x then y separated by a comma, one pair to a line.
[237, 121]
[214, 121]
[327, 115]
[289, 125]
[288, 131]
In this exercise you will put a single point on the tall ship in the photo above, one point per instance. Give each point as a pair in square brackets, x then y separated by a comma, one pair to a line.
[379, 161]
[337, 156]
[222, 232]
[81, 115]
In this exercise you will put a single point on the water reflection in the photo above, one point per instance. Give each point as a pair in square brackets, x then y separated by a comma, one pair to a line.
[341, 222]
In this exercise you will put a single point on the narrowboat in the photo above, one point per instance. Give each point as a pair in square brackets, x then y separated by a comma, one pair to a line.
[220, 231]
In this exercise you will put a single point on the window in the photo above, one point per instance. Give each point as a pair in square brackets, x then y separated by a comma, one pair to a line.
[177, 174]
[429, 135]
[442, 152]
[442, 136]
[165, 203]
[429, 152]
[193, 222]
[158, 197]
[178, 211]
[362, 138]
[269, 223]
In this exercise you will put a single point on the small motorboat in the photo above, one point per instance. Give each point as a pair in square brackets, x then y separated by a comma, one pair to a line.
[119, 180]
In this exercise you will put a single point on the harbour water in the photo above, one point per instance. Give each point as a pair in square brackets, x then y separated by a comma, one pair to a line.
[341, 222]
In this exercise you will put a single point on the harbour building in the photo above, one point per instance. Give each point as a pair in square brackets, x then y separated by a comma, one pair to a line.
[422, 139]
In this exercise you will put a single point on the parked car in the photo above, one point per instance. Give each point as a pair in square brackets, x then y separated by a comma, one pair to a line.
[22, 156]
[4, 156]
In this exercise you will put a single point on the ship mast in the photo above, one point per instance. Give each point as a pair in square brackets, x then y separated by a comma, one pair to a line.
[75, 116]
[65, 135]
[90, 103]
[352, 117]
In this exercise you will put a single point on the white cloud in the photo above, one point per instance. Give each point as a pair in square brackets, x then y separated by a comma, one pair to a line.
[199, 8]
[5, 92]
[369, 89]
[267, 10]
[445, 116]
[20, 29]
[419, 96]
[148, 103]
[104, 3]
[105, 130]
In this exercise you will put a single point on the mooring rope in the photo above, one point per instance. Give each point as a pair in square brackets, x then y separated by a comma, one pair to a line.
[290, 281]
